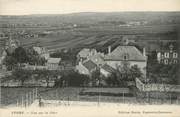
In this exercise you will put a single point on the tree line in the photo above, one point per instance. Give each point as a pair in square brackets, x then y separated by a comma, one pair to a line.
[21, 55]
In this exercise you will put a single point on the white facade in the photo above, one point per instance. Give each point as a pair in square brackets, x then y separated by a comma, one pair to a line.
[141, 64]
[168, 56]
[82, 69]
[129, 54]
[159, 57]
[53, 63]
[104, 72]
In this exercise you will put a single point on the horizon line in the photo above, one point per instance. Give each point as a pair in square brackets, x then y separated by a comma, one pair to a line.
[91, 12]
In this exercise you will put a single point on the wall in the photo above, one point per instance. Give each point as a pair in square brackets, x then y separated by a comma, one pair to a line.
[34, 67]
[39, 67]
[105, 73]
[53, 66]
[29, 83]
[141, 64]
[81, 69]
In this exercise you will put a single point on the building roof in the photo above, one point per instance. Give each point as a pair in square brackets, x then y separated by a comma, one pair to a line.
[40, 50]
[54, 60]
[98, 59]
[108, 68]
[133, 54]
[37, 49]
[86, 52]
[168, 48]
[89, 65]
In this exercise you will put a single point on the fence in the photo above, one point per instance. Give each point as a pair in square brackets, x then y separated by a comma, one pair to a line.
[29, 83]
[27, 99]
[156, 87]
[57, 98]
[41, 67]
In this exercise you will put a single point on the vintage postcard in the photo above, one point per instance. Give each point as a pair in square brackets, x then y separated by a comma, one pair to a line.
[89, 58]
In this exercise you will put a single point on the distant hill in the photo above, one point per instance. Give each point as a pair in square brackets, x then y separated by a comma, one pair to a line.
[93, 17]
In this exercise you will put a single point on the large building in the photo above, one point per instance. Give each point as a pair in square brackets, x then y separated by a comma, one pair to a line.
[167, 56]
[128, 54]
[114, 59]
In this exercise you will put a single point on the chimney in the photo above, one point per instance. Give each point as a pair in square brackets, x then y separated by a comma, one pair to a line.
[144, 51]
[125, 40]
[171, 48]
[109, 49]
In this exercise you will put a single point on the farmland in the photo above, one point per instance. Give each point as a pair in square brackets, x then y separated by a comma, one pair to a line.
[97, 30]
[98, 37]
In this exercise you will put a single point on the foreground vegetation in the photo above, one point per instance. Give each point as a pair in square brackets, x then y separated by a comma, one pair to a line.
[11, 95]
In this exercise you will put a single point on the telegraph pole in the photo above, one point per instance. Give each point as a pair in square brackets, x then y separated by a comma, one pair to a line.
[22, 102]
[30, 98]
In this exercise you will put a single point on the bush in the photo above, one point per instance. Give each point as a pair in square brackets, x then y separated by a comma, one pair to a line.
[72, 79]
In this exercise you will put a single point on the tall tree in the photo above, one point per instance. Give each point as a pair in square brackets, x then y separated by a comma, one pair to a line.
[95, 77]
[20, 55]
[135, 72]
[10, 62]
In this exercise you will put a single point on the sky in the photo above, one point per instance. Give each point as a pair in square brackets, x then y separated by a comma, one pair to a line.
[26, 7]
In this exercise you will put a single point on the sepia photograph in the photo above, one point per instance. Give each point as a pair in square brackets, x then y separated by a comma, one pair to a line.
[92, 58]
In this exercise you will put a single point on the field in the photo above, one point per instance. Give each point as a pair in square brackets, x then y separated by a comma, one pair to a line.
[101, 37]
[95, 30]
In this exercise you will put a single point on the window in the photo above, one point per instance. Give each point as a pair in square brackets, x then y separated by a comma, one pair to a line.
[166, 55]
[175, 61]
[166, 61]
[175, 55]
[125, 56]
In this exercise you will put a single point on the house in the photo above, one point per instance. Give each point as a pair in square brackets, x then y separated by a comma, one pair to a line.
[43, 52]
[53, 63]
[89, 60]
[86, 67]
[84, 53]
[167, 56]
[128, 54]
[106, 70]
[91, 54]
[97, 58]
